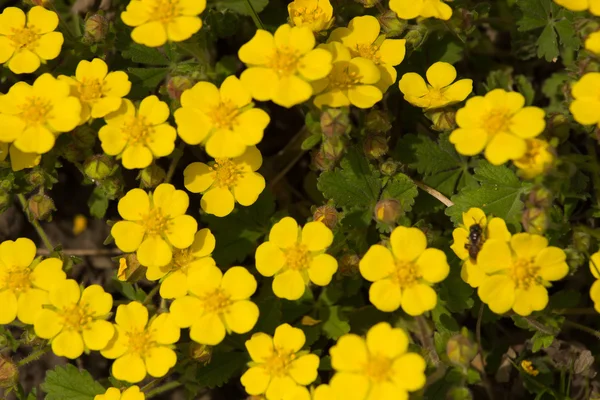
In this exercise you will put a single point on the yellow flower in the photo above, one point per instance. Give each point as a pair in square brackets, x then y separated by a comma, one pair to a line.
[25, 282]
[154, 224]
[75, 321]
[80, 224]
[529, 368]
[280, 66]
[351, 80]
[581, 5]
[537, 160]
[18, 159]
[139, 346]
[595, 289]
[404, 275]
[363, 39]
[519, 272]
[31, 116]
[157, 21]
[174, 274]
[495, 228]
[99, 91]
[217, 303]
[586, 92]
[223, 120]
[314, 14]
[592, 42]
[139, 136]
[498, 123]
[440, 91]
[409, 9]
[378, 367]
[226, 181]
[131, 393]
[26, 43]
[296, 257]
[278, 366]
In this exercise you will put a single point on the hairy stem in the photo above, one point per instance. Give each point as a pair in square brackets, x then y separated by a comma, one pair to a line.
[36, 224]
[150, 295]
[164, 388]
[582, 328]
[33, 356]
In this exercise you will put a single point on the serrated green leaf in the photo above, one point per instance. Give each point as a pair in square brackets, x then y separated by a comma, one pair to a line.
[70, 383]
[240, 6]
[403, 189]
[335, 323]
[148, 77]
[525, 87]
[547, 44]
[221, 368]
[541, 341]
[145, 55]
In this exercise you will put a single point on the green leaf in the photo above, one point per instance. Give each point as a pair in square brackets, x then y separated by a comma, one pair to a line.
[403, 189]
[335, 323]
[355, 185]
[221, 368]
[499, 194]
[548, 44]
[148, 77]
[311, 141]
[541, 341]
[270, 315]
[98, 203]
[145, 55]
[525, 87]
[70, 383]
[240, 6]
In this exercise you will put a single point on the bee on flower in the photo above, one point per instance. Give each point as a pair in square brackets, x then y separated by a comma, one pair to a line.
[586, 94]
[403, 276]
[296, 256]
[226, 181]
[28, 42]
[315, 14]
[362, 37]
[409, 9]
[581, 5]
[282, 66]
[131, 393]
[439, 91]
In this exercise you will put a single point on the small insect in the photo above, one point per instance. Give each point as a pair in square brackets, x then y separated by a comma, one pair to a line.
[475, 240]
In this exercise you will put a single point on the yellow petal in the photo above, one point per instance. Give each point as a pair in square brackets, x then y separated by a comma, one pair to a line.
[238, 283]
[174, 285]
[500, 98]
[97, 300]
[47, 324]
[528, 122]
[461, 238]
[459, 90]
[208, 330]
[137, 156]
[35, 139]
[151, 34]
[155, 111]
[433, 265]
[441, 74]
[159, 360]
[12, 127]
[134, 205]
[131, 393]
[42, 20]
[250, 126]
[289, 285]
[129, 368]
[504, 147]
[193, 126]
[20, 160]
[497, 229]
[251, 160]
[364, 96]
[68, 344]
[262, 83]
[284, 233]
[185, 311]
[528, 300]
[49, 45]
[24, 61]
[474, 216]
[366, 69]
[233, 91]
[350, 386]
[333, 98]
[387, 391]
[527, 246]
[19, 253]
[65, 294]
[498, 291]
[321, 269]
[584, 110]
[103, 107]
[472, 115]
[218, 201]
[407, 9]
[592, 43]
[256, 380]
[407, 243]
[385, 341]
[241, 316]
[472, 274]
[8, 311]
[409, 371]
[181, 231]
[392, 51]
[366, 28]
[164, 329]
[117, 84]
[118, 345]
[377, 263]
[259, 49]
[289, 338]
[260, 347]
[95, 69]
[198, 177]
[594, 264]
[291, 90]
[113, 139]
[30, 305]
[248, 188]
[182, 28]
[128, 235]
[66, 114]
[316, 236]
[270, 259]
[316, 64]
[304, 369]
[495, 255]
[132, 316]
[587, 86]
[418, 298]
[97, 335]
[154, 251]
[385, 295]
[349, 354]
[11, 18]
[468, 142]
[204, 280]
[551, 261]
[162, 140]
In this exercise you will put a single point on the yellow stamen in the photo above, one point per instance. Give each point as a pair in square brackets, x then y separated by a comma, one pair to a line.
[298, 257]
[406, 274]
[77, 317]
[378, 368]
[16, 279]
[24, 38]
[36, 110]
[284, 61]
[226, 172]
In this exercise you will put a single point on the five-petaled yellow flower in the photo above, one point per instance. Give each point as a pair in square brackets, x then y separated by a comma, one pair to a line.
[281, 66]
[154, 224]
[226, 181]
[581, 5]
[537, 160]
[403, 275]
[217, 304]
[25, 43]
[99, 91]
[296, 256]
[174, 275]
[519, 272]
[18, 159]
[409, 9]
[157, 21]
[315, 14]
[352, 81]
[139, 346]
[362, 37]
[498, 123]
[439, 91]
[75, 321]
[595, 289]
[278, 366]
[224, 119]
[586, 92]
[475, 220]
[131, 393]
[25, 282]
[139, 136]
[32, 115]
[378, 367]
[592, 42]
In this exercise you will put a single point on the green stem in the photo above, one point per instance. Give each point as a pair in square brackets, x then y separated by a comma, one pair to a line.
[254, 15]
[583, 328]
[164, 388]
[426, 340]
[33, 356]
[150, 295]
[36, 224]
[176, 157]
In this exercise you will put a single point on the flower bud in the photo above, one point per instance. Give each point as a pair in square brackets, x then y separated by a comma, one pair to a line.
[391, 25]
[460, 349]
[581, 240]
[535, 220]
[348, 265]
[29, 338]
[375, 146]
[333, 148]
[378, 121]
[201, 353]
[443, 120]
[414, 37]
[327, 215]
[152, 176]
[40, 206]
[9, 373]
[95, 28]
[319, 162]
[389, 168]
[335, 122]
[388, 211]
[176, 85]
[130, 269]
[99, 167]
[43, 3]
[35, 178]
[113, 187]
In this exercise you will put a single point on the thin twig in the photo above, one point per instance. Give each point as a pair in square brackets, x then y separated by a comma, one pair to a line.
[84, 252]
[33, 356]
[150, 295]
[292, 144]
[582, 328]
[164, 388]
[426, 340]
[254, 15]
[443, 199]
[36, 224]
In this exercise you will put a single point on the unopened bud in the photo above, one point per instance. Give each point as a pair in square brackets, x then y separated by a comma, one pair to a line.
[99, 167]
[40, 206]
[319, 162]
[29, 338]
[443, 120]
[176, 85]
[333, 148]
[375, 146]
[348, 265]
[112, 186]
[42, 3]
[9, 373]
[459, 393]
[378, 121]
[201, 353]
[540, 198]
[581, 240]
[389, 168]
[460, 349]
[327, 215]
[388, 211]
[335, 122]
[35, 178]
[391, 25]
[414, 37]
[152, 176]
[535, 220]
[95, 28]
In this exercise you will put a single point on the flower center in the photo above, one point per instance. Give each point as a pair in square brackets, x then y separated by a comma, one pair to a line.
[138, 129]
[344, 79]
[165, 11]
[35, 110]
[284, 61]
[77, 317]
[369, 52]
[91, 90]
[497, 120]
[226, 172]
[378, 368]
[17, 279]
[217, 301]
[155, 222]
[279, 362]
[24, 38]
[223, 116]
[298, 257]
[140, 342]
[405, 274]
[524, 273]
[182, 259]
[308, 16]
